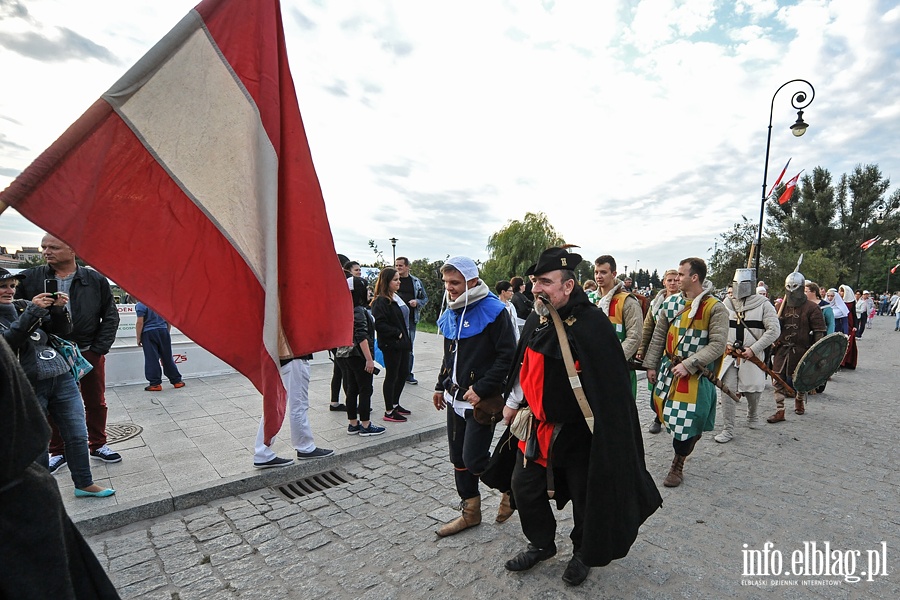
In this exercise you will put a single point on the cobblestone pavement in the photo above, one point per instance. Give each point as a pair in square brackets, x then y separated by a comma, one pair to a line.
[829, 476]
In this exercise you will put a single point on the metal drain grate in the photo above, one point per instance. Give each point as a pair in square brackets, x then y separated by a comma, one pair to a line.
[311, 485]
[119, 432]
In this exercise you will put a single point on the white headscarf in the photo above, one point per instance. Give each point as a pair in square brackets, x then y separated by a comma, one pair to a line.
[847, 293]
[837, 304]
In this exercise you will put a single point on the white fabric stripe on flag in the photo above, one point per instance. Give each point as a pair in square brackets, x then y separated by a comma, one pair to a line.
[195, 117]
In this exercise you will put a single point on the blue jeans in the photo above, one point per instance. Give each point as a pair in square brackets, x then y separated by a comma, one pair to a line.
[59, 396]
[157, 346]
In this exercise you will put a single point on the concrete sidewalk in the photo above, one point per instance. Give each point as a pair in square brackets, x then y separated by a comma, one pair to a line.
[196, 443]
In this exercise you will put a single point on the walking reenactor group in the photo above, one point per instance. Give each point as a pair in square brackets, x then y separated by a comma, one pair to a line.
[567, 389]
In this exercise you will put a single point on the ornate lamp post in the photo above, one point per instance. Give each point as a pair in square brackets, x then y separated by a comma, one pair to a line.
[800, 100]
[394, 251]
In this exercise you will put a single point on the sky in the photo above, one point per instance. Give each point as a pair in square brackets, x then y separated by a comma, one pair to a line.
[638, 127]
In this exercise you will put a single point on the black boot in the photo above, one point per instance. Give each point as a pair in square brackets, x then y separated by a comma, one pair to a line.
[576, 571]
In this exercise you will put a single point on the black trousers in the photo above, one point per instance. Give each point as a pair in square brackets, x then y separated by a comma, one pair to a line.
[470, 450]
[358, 385]
[529, 488]
[396, 370]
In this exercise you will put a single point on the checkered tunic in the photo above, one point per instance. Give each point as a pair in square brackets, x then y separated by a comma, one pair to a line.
[687, 406]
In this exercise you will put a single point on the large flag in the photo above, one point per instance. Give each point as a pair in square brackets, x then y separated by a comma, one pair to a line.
[190, 183]
[777, 181]
[789, 189]
[869, 243]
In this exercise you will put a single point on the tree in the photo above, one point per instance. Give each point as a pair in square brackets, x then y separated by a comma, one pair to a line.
[430, 275]
[732, 251]
[827, 224]
[517, 246]
[655, 282]
[379, 255]
[31, 261]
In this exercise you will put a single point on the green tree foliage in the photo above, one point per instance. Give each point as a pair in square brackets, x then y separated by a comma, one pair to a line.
[517, 246]
[31, 261]
[430, 275]
[826, 223]
[732, 252]
[655, 281]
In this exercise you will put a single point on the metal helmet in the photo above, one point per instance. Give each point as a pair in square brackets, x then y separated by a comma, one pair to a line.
[744, 283]
[793, 281]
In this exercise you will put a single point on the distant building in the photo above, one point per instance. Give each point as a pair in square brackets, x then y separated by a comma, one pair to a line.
[29, 253]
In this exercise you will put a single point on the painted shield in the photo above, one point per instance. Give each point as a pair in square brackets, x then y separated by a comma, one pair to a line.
[820, 362]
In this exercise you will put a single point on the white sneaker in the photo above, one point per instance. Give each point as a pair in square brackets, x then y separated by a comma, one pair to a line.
[724, 437]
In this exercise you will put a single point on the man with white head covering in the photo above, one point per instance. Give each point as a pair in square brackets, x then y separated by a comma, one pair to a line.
[753, 327]
[479, 345]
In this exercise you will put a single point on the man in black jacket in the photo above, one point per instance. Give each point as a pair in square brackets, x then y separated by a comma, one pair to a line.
[95, 321]
[603, 469]
[479, 344]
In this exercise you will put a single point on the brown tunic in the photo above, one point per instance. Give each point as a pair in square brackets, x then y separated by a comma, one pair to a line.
[797, 326]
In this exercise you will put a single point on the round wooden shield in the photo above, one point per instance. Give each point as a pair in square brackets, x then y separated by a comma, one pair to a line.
[820, 362]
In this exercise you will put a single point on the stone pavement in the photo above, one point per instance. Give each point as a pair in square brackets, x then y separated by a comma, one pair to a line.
[827, 477]
[196, 443]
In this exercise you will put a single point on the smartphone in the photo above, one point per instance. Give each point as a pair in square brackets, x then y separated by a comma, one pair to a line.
[376, 371]
[51, 286]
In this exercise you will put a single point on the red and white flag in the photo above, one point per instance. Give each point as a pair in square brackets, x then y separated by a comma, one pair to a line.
[869, 243]
[894, 270]
[789, 189]
[777, 181]
[190, 183]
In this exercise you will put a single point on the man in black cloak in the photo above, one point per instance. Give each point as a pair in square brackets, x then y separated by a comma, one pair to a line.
[42, 554]
[603, 473]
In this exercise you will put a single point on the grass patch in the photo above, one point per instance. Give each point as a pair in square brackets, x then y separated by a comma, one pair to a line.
[426, 327]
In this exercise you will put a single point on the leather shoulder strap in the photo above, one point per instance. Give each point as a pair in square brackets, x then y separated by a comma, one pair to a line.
[574, 381]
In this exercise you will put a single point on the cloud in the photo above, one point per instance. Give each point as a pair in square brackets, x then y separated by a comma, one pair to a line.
[64, 45]
[303, 22]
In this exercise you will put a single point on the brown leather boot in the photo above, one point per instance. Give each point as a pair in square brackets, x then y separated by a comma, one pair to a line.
[471, 516]
[798, 406]
[676, 472]
[777, 417]
[505, 511]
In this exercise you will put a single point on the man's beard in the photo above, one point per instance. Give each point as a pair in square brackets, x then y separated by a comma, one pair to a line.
[539, 306]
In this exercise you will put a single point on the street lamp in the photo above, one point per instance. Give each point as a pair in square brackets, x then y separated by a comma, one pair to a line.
[800, 100]
[394, 250]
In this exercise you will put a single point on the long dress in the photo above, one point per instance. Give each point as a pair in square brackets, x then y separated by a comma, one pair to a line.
[850, 357]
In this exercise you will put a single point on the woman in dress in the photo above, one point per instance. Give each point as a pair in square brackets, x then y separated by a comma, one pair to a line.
[391, 318]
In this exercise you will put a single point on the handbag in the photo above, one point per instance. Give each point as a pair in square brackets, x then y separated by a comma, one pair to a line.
[489, 410]
[79, 365]
[521, 424]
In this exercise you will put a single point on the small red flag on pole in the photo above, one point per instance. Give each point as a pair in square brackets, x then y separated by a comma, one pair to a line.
[869, 243]
[789, 189]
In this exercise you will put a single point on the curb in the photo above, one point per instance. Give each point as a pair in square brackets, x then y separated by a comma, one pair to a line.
[156, 506]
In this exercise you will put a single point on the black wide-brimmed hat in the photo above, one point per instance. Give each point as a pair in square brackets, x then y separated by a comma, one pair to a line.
[556, 259]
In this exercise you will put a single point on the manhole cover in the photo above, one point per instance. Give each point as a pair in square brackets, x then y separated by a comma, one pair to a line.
[119, 432]
[311, 485]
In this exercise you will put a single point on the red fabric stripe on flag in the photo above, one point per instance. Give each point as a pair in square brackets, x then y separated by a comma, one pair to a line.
[99, 190]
